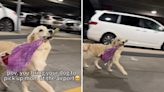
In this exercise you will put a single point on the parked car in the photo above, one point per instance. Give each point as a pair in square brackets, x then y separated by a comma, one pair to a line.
[33, 19]
[60, 23]
[74, 25]
[49, 20]
[139, 30]
[23, 16]
[64, 23]
[8, 19]
[68, 24]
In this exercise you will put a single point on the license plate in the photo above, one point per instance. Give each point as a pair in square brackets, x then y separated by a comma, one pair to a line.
[43, 22]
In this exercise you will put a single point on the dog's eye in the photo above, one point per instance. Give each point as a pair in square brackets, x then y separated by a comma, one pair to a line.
[118, 40]
[40, 30]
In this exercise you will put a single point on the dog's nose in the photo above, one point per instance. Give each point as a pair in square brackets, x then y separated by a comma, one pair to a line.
[123, 42]
[50, 31]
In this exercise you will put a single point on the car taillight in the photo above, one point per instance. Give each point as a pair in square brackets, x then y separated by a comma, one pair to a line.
[48, 19]
[15, 13]
[91, 22]
[60, 23]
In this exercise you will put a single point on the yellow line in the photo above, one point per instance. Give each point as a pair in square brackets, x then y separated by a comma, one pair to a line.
[67, 38]
[78, 89]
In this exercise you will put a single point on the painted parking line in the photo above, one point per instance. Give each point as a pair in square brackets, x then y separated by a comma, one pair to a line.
[66, 38]
[78, 89]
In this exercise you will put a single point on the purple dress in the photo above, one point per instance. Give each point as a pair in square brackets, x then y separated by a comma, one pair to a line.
[21, 55]
[108, 54]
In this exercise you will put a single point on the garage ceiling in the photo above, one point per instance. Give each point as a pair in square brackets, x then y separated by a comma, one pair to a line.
[45, 3]
[65, 8]
[143, 7]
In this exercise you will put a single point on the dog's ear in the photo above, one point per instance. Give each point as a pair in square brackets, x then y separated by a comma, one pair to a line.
[31, 38]
[114, 42]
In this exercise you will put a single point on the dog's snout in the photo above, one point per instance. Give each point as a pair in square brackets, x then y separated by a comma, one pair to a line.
[50, 31]
[123, 42]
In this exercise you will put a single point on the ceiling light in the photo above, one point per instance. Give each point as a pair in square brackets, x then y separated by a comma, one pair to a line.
[60, 0]
[16, 2]
[153, 12]
[69, 14]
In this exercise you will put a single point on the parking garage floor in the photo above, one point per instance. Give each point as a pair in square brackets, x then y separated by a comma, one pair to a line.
[65, 55]
[144, 67]
[145, 74]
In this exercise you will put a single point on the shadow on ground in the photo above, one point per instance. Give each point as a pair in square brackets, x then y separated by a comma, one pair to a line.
[105, 81]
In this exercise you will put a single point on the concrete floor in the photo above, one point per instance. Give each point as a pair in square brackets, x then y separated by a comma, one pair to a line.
[65, 55]
[145, 74]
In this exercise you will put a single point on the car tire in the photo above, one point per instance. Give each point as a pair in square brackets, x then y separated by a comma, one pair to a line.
[6, 25]
[162, 47]
[107, 38]
[49, 26]
[79, 32]
[68, 31]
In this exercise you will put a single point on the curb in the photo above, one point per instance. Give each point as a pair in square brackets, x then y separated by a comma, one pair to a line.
[142, 54]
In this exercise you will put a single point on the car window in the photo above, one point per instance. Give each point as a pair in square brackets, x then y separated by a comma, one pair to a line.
[109, 17]
[131, 21]
[61, 19]
[57, 18]
[78, 19]
[21, 14]
[151, 25]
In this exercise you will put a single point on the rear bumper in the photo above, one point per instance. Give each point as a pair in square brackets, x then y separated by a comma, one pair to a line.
[46, 23]
[93, 35]
[73, 29]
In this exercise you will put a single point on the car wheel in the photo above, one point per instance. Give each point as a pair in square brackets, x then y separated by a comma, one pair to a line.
[6, 25]
[162, 47]
[107, 39]
[68, 31]
[79, 32]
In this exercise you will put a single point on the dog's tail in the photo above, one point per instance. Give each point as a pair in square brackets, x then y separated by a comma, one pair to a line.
[86, 46]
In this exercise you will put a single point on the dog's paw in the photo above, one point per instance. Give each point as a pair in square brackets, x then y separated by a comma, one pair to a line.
[125, 73]
[5, 89]
[110, 70]
[99, 68]
[86, 66]
[27, 91]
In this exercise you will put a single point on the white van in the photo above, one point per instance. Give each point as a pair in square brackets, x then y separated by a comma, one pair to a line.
[138, 30]
[8, 19]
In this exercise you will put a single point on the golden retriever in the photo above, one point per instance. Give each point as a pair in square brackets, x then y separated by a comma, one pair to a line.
[92, 51]
[38, 61]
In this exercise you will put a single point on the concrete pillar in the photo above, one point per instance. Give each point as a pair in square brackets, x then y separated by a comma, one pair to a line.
[97, 4]
[18, 13]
